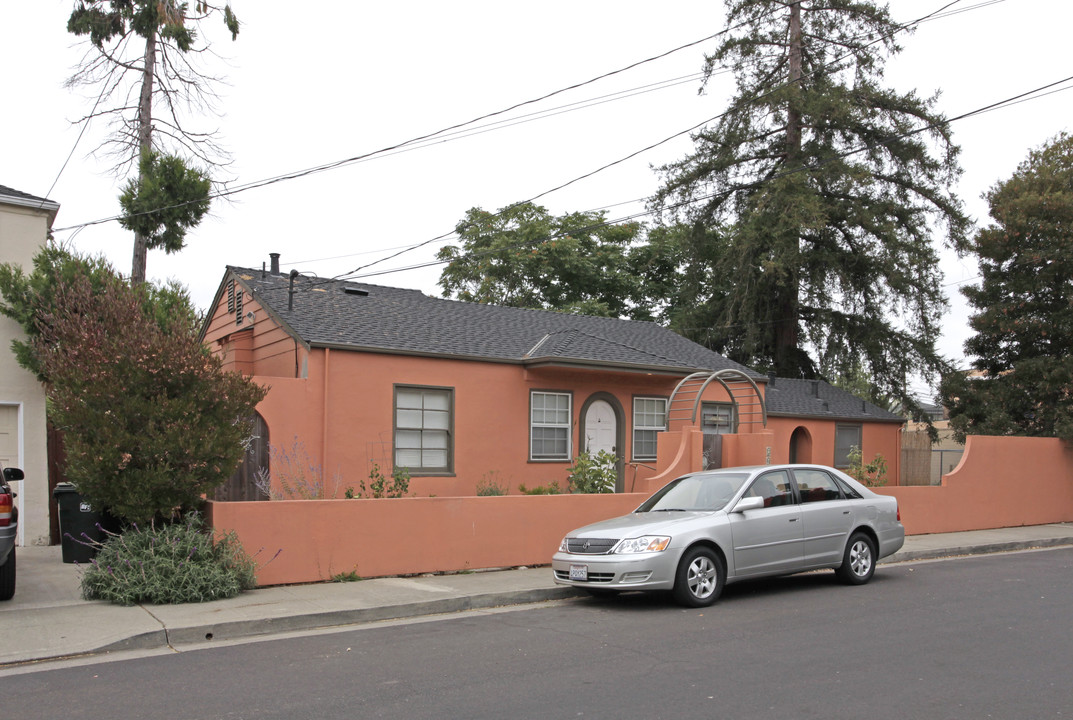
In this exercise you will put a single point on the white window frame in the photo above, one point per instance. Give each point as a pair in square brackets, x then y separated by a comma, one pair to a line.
[639, 427]
[564, 425]
[425, 431]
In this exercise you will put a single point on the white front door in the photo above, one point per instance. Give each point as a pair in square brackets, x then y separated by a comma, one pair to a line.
[600, 428]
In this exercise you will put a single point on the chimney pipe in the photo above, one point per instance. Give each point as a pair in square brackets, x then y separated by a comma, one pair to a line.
[275, 263]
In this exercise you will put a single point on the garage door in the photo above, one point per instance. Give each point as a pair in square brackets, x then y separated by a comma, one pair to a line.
[9, 435]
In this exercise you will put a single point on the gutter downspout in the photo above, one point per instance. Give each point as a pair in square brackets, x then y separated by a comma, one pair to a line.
[324, 419]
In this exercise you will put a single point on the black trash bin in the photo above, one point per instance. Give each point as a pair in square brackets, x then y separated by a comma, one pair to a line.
[79, 525]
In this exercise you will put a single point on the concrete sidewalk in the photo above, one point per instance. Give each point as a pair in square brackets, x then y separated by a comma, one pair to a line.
[47, 618]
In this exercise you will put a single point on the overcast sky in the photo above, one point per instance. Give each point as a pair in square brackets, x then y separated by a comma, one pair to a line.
[314, 83]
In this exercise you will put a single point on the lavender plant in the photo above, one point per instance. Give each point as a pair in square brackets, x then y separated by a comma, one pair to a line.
[170, 563]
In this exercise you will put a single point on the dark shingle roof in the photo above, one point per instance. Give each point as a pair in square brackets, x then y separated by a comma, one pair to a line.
[386, 319]
[816, 398]
[19, 195]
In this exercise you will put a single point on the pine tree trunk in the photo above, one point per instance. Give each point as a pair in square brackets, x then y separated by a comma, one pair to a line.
[145, 145]
[786, 355]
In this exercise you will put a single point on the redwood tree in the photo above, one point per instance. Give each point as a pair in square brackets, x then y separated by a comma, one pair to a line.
[815, 199]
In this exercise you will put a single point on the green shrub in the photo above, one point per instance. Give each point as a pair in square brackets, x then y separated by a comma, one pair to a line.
[594, 473]
[489, 485]
[874, 474]
[168, 564]
[381, 486]
[551, 488]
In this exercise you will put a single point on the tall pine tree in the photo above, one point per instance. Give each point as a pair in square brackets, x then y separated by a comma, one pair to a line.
[145, 49]
[814, 200]
[1023, 346]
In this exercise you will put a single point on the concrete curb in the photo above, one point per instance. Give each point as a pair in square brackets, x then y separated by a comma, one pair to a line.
[237, 630]
[51, 622]
[976, 549]
[242, 629]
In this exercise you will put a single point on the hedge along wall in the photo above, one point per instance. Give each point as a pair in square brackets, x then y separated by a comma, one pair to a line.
[1001, 482]
[318, 539]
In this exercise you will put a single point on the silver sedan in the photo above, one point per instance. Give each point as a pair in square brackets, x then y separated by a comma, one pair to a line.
[710, 528]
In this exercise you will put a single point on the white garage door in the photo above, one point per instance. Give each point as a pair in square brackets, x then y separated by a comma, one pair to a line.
[9, 435]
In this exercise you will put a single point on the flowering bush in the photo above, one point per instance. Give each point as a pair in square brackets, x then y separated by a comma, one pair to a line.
[150, 421]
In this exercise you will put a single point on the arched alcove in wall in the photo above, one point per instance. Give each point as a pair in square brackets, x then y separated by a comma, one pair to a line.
[801, 446]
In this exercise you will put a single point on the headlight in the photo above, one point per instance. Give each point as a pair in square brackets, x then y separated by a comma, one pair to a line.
[564, 546]
[648, 543]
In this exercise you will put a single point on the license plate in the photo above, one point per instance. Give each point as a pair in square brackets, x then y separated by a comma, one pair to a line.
[579, 572]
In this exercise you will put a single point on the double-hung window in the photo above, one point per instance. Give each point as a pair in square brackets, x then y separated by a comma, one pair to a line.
[649, 419]
[549, 425]
[424, 429]
[847, 437]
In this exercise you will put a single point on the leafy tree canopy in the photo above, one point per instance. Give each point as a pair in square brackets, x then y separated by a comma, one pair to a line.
[1023, 346]
[165, 201]
[812, 202]
[523, 256]
[30, 297]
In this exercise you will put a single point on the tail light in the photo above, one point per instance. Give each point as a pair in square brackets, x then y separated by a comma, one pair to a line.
[6, 503]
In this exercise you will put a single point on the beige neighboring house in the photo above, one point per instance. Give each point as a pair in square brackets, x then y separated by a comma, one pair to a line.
[25, 222]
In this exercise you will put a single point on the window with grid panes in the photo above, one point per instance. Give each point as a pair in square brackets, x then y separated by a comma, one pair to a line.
[649, 419]
[847, 437]
[423, 429]
[549, 426]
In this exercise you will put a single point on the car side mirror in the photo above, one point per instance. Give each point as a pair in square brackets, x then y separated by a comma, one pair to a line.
[749, 503]
[12, 474]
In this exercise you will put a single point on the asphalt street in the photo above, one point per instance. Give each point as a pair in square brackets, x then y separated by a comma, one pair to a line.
[971, 638]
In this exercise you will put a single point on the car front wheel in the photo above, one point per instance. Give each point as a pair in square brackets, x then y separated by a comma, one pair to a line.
[700, 578]
[7, 577]
[859, 560]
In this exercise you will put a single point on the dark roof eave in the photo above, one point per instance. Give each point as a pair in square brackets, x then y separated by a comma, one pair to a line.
[527, 362]
[831, 416]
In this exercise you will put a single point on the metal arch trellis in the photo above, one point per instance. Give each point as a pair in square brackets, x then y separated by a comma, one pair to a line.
[739, 386]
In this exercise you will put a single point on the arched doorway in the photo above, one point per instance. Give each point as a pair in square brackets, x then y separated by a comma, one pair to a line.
[603, 428]
[801, 446]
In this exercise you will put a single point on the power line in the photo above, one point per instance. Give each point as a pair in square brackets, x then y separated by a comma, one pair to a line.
[422, 138]
[833, 63]
[1016, 99]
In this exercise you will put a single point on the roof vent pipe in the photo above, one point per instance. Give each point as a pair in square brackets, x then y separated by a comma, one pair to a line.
[290, 290]
[275, 263]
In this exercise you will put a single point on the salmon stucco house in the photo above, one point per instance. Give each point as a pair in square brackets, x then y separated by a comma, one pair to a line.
[460, 393]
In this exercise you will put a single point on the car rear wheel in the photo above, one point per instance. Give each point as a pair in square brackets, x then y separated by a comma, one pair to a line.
[7, 577]
[859, 560]
[700, 578]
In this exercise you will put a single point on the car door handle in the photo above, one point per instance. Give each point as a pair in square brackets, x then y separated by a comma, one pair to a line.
[793, 519]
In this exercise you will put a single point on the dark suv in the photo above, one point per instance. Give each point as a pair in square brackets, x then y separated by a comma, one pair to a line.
[9, 526]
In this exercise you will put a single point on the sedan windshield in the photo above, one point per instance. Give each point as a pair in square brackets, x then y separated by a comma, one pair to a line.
[695, 492]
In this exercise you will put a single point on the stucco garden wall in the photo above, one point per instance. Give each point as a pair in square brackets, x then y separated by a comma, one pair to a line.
[318, 539]
[1002, 482]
